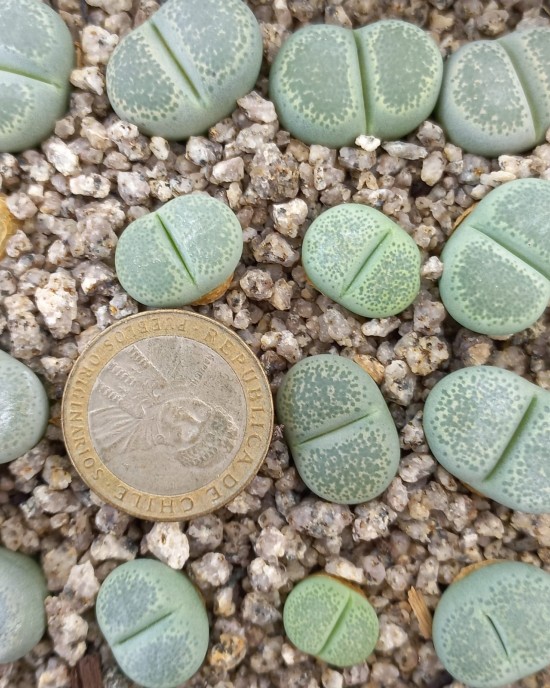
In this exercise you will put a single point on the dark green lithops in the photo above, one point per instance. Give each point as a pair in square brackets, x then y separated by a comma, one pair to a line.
[495, 96]
[183, 69]
[325, 617]
[330, 84]
[496, 266]
[492, 626]
[180, 252]
[154, 621]
[491, 429]
[340, 432]
[24, 408]
[22, 616]
[362, 260]
[36, 59]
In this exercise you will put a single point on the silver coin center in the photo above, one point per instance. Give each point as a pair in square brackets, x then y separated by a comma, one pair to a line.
[167, 415]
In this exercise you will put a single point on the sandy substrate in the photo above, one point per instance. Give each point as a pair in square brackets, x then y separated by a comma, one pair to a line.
[58, 289]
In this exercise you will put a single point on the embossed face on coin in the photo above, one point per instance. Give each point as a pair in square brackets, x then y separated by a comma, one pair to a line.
[167, 415]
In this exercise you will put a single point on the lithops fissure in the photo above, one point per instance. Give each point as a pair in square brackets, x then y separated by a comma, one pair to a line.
[495, 96]
[496, 276]
[24, 408]
[22, 616]
[330, 84]
[154, 621]
[491, 429]
[183, 69]
[328, 619]
[36, 58]
[492, 627]
[362, 260]
[179, 253]
[340, 432]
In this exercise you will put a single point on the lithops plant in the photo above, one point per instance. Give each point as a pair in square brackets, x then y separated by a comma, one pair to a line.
[496, 266]
[340, 432]
[362, 260]
[24, 408]
[492, 627]
[22, 616]
[154, 621]
[36, 58]
[331, 620]
[495, 96]
[491, 429]
[183, 69]
[179, 253]
[330, 84]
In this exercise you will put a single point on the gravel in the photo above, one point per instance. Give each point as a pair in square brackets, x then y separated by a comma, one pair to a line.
[58, 289]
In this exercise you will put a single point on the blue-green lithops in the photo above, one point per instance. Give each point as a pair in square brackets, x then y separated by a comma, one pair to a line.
[24, 408]
[183, 69]
[496, 266]
[179, 253]
[36, 59]
[491, 429]
[330, 84]
[340, 432]
[495, 96]
[332, 620]
[492, 626]
[362, 260]
[22, 616]
[154, 621]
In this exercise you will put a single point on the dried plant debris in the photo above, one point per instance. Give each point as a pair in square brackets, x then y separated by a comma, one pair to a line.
[72, 198]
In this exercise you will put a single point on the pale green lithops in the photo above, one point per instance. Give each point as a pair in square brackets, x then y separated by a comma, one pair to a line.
[330, 84]
[183, 69]
[491, 429]
[179, 253]
[492, 626]
[22, 616]
[326, 617]
[496, 266]
[154, 621]
[24, 408]
[340, 432]
[495, 96]
[36, 59]
[362, 260]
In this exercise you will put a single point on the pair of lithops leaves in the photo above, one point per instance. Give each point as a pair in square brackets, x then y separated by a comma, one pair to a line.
[331, 84]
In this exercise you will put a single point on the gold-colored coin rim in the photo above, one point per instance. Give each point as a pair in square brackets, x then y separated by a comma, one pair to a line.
[228, 483]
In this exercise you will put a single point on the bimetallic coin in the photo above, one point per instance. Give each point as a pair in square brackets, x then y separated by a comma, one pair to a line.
[167, 415]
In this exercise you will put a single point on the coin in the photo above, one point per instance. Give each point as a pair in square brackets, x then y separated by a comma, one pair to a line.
[167, 415]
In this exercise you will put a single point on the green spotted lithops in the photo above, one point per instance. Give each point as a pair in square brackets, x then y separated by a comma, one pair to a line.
[492, 626]
[491, 429]
[496, 266]
[340, 432]
[179, 253]
[495, 96]
[24, 408]
[362, 260]
[330, 84]
[22, 616]
[154, 621]
[36, 59]
[331, 620]
[183, 69]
